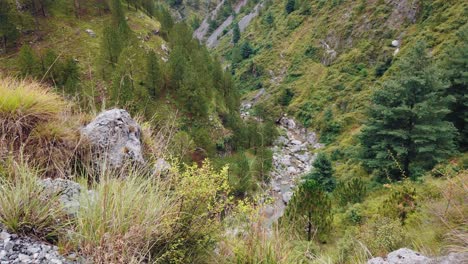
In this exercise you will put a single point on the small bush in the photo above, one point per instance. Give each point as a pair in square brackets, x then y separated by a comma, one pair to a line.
[352, 191]
[382, 235]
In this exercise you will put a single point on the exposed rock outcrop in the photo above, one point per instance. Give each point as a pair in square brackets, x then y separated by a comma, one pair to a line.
[16, 249]
[408, 256]
[68, 191]
[116, 138]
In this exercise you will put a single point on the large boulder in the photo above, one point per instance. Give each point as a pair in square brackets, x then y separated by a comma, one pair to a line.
[115, 137]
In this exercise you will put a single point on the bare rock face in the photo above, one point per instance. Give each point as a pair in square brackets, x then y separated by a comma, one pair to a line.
[408, 256]
[116, 138]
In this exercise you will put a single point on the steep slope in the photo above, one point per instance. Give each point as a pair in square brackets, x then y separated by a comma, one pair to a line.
[322, 61]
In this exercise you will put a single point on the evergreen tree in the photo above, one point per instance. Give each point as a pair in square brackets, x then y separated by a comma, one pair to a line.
[235, 33]
[322, 173]
[27, 61]
[290, 6]
[269, 19]
[118, 19]
[70, 75]
[406, 130]
[111, 46]
[310, 210]
[153, 75]
[8, 31]
[456, 72]
[165, 18]
[51, 67]
[246, 50]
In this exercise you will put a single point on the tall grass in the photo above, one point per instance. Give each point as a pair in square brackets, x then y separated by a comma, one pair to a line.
[26, 207]
[121, 220]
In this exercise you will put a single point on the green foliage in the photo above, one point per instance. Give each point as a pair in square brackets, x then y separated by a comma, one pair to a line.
[269, 18]
[330, 128]
[286, 97]
[28, 62]
[154, 77]
[290, 6]
[455, 67]
[165, 18]
[111, 46]
[8, 31]
[352, 191]
[235, 33]
[118, 19]
[406, 130]
[310, 210]
[322, 173]
[402, 201]
[51, 66]
[382, 235]
[246, 50]
[241, 176]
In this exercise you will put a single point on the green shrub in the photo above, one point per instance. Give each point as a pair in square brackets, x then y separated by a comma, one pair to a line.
[352, 191]
[401, 202]
[382, 235]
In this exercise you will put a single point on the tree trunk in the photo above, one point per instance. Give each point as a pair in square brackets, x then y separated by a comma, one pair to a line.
[309, 226]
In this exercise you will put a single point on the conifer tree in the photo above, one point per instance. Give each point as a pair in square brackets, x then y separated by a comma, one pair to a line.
[310, 210]
[406, 131]
[51, 67]
[111, 46]
[8, 31]
[246, 50]
[322, 173]
[27, 61]
[455, 68]
[235, 33]
[153, 75]
[290, 6]
[118, 19]
[71, 75]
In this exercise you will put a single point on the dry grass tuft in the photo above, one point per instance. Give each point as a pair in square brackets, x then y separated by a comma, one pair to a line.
[37, 123]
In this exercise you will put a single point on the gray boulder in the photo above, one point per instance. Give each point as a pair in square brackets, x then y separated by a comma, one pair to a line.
[116, 137]
[408, 256]
[68, 191]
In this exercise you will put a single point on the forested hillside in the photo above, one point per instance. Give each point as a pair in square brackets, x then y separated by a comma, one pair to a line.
[249, 131]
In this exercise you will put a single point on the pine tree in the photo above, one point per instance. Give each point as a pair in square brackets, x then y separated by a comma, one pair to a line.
[153, 75]
[8, 31]
[322, 173]
[27, 61]
[235, 33]
[118, 19]
[51, 66]
[290, 6]
[269, 19]
[455, 68]
[246, 50]
[70, 75]
[406, 131]
[310, 210]
[111, 46]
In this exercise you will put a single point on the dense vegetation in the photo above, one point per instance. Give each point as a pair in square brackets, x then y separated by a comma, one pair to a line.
[383, 84]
